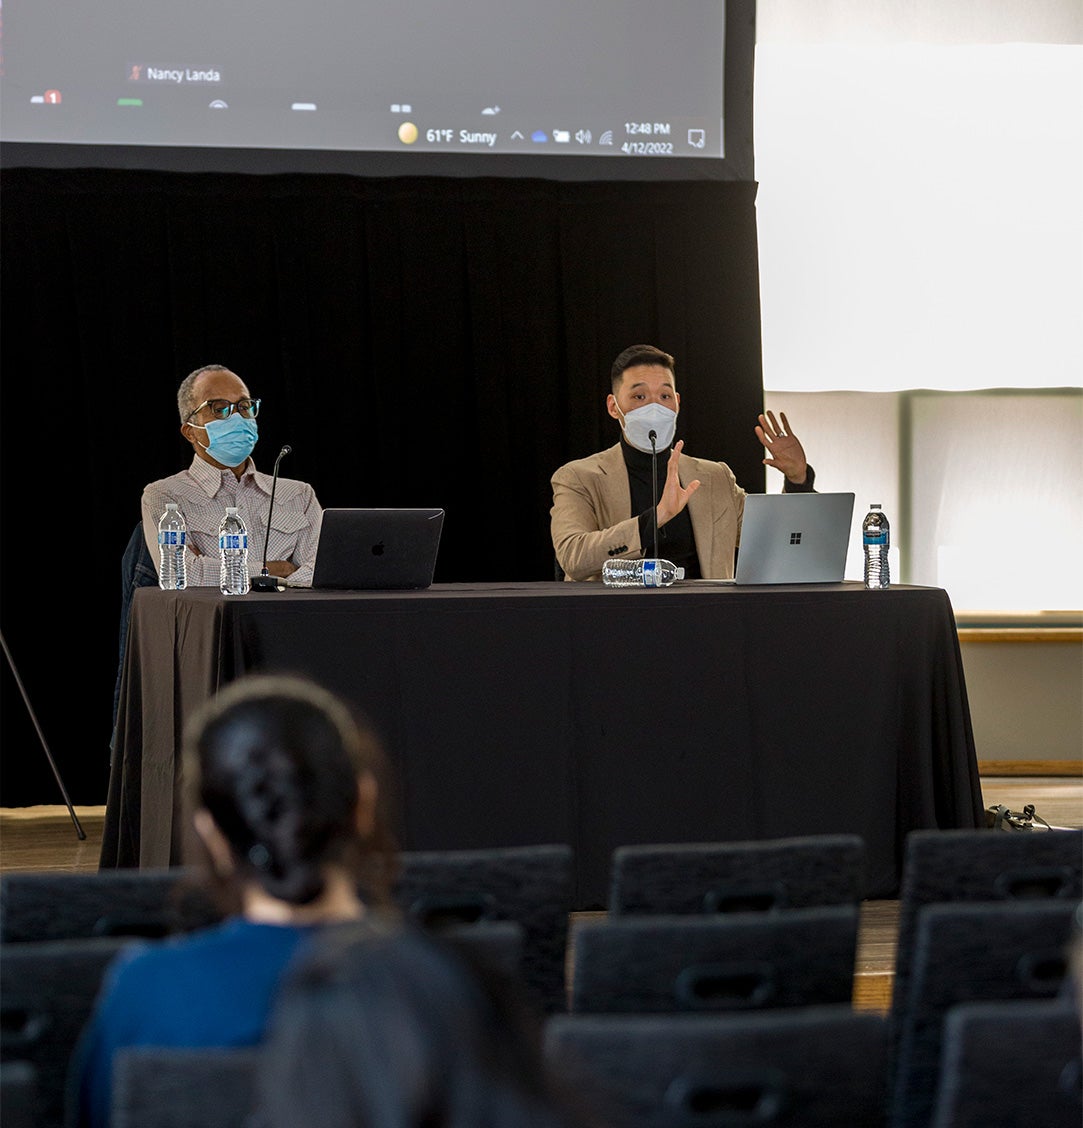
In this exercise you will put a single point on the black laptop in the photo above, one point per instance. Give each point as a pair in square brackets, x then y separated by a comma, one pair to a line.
[377, 549]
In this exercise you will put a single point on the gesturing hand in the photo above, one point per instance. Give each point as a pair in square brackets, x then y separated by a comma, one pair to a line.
[674, 496]
[784, 447]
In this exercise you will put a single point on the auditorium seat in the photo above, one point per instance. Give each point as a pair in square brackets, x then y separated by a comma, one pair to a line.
[742, 961]
[818, 1067]
[720, 877]
[530, 885]
[66, 906]
[969, 953]
[981, 865]
[184, 1088]
[47, 992]
[1011, 1063]
[496, 943]
[19, 1095]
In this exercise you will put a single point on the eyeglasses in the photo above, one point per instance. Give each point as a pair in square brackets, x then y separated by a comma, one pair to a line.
[223, 408]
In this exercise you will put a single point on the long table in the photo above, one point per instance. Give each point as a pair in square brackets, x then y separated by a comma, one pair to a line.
[529, 713]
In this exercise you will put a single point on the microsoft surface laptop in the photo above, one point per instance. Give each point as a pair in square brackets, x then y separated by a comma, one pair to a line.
[798, 538]
[377, 549]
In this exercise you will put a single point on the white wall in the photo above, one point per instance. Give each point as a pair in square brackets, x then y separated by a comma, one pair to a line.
[920, 168]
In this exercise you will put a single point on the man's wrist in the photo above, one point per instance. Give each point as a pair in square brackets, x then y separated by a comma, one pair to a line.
[807, 486]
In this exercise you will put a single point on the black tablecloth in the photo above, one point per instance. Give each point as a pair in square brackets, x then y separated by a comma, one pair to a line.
[527, 713]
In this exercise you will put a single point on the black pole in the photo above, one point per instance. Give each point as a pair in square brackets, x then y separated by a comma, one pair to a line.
[41, 736]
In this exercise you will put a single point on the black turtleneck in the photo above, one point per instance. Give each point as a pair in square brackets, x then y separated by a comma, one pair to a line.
[675, 540]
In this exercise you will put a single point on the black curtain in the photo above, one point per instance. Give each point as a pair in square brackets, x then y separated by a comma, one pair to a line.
[417, 341]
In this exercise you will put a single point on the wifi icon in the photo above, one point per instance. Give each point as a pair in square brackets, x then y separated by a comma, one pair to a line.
[606, 138]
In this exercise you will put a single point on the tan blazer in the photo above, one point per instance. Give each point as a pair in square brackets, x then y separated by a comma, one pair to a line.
[591, 518]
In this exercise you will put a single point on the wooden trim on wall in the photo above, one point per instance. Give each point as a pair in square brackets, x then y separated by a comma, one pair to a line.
[1021, 634]
[1030, 767]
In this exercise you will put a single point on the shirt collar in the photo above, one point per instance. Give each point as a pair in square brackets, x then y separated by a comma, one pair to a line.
[210, 479]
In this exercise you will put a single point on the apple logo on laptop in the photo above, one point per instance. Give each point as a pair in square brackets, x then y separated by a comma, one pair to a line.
[378, 548]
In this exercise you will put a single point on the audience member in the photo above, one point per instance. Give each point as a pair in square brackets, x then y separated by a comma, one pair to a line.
[218, 418]
[402, 1031]
[603, 505]
[283, 793]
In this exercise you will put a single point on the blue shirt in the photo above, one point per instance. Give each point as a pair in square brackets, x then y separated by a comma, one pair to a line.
[209, 988]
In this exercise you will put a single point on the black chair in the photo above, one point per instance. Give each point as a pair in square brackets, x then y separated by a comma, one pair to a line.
[721, 877]
[981, 865]
[495, 943]
[137, 570]
[47, 992]
[37, 906]
[19, 1095]
[648, 964]
[1010, 1063]
[174, 1088]
[969, 953]
[530, 885]
[817, 1067]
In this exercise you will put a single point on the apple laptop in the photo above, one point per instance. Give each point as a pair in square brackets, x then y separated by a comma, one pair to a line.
[794, 538]
[377, 549]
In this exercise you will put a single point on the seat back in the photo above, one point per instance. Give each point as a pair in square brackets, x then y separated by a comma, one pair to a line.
[497, 944]
[952, 866]
[47, 992]
[745, 961]
[529, 885]
[183, 1088]
[37, 906]
[1010, 1063]
[19, 1095]
[969, 953]
[721, 877]
[819, 1067]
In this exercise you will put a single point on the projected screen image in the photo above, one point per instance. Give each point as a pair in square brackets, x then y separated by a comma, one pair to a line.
[620, 79]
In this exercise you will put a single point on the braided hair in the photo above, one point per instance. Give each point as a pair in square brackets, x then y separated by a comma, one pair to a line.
[276, 760]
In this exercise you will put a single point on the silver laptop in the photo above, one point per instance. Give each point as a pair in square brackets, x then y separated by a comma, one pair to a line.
[377, 549]
[796, 538]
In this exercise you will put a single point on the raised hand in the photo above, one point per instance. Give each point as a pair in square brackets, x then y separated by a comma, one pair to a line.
[674, 496]
[784, 447]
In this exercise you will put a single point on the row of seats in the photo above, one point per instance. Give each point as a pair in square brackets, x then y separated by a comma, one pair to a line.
[737, 936]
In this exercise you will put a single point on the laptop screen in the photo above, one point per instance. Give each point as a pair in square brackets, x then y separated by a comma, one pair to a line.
[376, 549]
[794, 538]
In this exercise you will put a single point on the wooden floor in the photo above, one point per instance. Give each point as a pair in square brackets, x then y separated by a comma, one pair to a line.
[45, 838]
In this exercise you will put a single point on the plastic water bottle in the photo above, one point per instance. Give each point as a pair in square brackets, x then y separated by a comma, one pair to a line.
[639, 573]
[172, 537]
[876, 536]
[233, 551]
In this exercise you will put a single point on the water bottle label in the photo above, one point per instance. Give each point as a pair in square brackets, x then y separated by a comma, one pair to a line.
[873, 539]
[172, 538]
[652, 574]
[232, 540]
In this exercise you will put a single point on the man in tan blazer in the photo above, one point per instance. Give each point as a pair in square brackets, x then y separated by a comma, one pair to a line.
[602, 505]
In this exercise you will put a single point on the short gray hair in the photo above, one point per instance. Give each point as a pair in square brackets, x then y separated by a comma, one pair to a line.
[186, 398]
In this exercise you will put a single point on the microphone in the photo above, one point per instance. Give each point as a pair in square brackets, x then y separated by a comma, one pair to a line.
[653, 436]
[264, 581]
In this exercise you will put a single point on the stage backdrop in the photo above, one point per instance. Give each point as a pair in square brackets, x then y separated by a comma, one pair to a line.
[417, 342]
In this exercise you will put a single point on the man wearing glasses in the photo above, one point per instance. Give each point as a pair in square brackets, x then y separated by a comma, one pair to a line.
[218, 417]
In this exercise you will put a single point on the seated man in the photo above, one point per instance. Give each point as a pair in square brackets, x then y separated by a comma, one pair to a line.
[218, 417]
[602, 505]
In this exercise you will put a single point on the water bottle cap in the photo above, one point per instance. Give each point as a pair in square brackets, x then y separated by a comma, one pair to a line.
[231, 511]
[171, 505]
[875, 505]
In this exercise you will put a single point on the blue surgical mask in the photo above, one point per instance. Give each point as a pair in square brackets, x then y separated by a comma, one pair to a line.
[230, 441]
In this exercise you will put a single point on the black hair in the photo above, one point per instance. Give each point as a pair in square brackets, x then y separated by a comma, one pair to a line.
[639, 354]
[276, 762]
[401, 1030]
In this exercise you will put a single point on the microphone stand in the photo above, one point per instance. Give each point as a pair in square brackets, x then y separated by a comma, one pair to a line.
[653, 436]
[264, 581]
